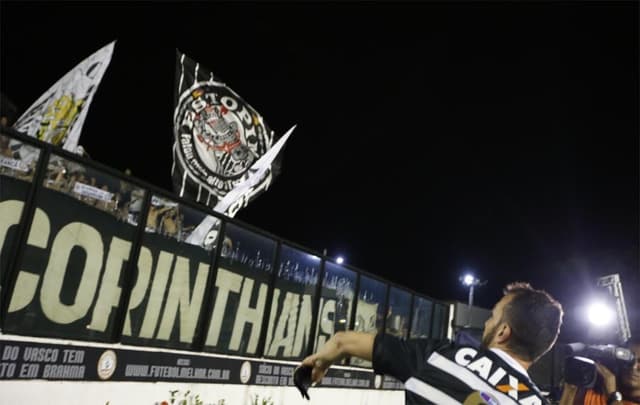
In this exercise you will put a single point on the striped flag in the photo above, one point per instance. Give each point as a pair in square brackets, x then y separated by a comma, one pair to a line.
[238, 197]
[219, 140]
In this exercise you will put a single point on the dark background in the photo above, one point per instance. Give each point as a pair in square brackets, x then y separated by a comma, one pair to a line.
[433, 138]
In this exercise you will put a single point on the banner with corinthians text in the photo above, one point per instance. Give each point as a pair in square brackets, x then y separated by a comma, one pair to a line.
[91, 267]
[72, 282]
[218, 138]
[58, 115]
[72, 270]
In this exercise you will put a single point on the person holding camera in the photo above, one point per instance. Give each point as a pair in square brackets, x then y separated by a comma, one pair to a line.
[610, 389]
[523, 326]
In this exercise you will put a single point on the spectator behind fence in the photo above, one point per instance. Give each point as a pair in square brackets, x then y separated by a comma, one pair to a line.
[8, 111]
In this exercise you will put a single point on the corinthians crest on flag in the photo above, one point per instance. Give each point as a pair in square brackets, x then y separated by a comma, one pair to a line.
[218, 138]
[58, 115]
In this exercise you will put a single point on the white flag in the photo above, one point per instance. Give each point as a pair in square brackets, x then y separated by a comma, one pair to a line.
[253, 183]
[58, 115]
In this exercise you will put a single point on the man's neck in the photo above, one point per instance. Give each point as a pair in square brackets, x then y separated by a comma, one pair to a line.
[523, 363]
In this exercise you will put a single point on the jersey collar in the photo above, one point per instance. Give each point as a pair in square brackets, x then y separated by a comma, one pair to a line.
[510, 360]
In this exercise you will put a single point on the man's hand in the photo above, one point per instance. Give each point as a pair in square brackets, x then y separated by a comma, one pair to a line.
[340, 345]
[569, 392]
[608, 377]
[319, 367]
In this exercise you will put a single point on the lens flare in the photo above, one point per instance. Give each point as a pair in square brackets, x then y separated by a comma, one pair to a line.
[600, 314]
[468, 280]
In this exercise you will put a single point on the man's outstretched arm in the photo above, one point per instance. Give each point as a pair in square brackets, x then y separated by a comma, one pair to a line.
[340, 345]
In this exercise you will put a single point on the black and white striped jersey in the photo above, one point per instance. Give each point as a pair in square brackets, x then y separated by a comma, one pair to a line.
[444, 373]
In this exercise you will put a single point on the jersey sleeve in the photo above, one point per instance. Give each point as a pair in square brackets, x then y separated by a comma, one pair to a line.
[401, 358]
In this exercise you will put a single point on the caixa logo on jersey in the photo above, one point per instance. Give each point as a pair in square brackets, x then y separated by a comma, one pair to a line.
[219, 137]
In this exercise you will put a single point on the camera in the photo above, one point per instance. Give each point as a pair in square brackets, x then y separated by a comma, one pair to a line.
[580, 366]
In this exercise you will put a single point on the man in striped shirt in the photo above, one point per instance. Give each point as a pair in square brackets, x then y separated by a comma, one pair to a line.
[523, 326]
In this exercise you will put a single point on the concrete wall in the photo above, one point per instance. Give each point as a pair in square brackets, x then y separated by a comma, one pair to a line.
[88, 391]
[126, 393]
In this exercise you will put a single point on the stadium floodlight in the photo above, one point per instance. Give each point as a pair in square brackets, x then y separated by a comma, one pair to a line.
[600, 314]
[470, 281]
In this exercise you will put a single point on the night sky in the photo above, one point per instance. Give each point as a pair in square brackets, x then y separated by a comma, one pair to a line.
[432, 138]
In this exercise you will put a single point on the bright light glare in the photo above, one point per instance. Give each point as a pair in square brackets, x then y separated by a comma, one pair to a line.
[468, 279]
[340, 260]
[600, 314]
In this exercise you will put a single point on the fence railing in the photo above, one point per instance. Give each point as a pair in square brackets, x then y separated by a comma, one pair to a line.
[89, 253]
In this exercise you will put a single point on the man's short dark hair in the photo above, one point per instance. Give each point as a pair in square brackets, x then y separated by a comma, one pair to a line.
[534, 317]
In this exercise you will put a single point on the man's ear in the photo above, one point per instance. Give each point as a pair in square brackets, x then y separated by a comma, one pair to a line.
[504, 333]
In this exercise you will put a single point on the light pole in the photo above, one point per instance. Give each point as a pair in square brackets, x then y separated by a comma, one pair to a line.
[470, 281]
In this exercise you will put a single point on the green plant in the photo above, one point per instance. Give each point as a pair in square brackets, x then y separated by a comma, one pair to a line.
[264, 401]
[172, 398]
[187, 398]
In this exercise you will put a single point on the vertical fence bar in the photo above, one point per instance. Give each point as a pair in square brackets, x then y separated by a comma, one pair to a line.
[352, 316]
[267, 306]
[26, 219]
[131, 270]
[315, 308]
[207, 308]
[410, 320]
[432, 319]
[386, 309]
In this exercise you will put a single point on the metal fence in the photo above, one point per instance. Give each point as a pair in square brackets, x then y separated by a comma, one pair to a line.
[89, 253]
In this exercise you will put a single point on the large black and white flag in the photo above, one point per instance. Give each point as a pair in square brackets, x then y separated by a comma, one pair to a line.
[219, 140]
[206, 232]
[58, 115]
